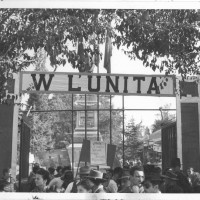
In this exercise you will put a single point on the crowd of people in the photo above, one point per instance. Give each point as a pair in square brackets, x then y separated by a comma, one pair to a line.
[129, 179]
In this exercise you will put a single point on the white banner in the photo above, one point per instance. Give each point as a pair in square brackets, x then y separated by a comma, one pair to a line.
[148, 85]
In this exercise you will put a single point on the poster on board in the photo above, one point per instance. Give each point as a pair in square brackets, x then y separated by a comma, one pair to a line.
[98, 153]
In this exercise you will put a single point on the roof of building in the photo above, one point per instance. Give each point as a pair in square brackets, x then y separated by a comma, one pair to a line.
[155, 136]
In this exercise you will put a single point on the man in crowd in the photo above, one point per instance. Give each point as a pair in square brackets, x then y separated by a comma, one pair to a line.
[83, 173]
[51, 171]
[183, 182]
[113, 183]
[56, 183]
[7, 182]
[170, 184]
[137, 177]
[125, 182]
[59, 171]
[96, 177]
[31, 178]
[152, 183]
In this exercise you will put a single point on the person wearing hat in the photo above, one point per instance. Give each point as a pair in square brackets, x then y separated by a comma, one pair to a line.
[31, 178]
[56, 184]
[183, 182]
[152, 183]
[96, 177]
[170, 183]
[85, 186]
[125, 182]
[83, 173]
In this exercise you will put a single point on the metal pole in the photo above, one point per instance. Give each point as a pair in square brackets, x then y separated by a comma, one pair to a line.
[110, 121]
[85, 121]
[123, 129]
[97, 117]
[105, 109]
[20, 155]
[73, 134]
[98, 106]
[85, 117]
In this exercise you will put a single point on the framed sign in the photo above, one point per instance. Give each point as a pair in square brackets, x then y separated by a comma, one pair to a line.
[98, 153]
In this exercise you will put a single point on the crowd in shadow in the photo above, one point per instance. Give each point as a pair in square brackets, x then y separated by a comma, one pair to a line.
[129, 179]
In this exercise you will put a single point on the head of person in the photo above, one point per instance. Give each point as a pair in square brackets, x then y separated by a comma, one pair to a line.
[84, 172]
[109, 172]
[190, 171]
[68, 175]
[51, 170]
[63, 170]
[176, 164]
[158, 170]
[67, 178]
[125, 179]
[136, 175]
[85, 186]
[35, 168]
[117, 173]
[107, 180]
[96, 177]
[152, 183]
[41, 178]
[6, 173]
[59, 170]
[170, 178]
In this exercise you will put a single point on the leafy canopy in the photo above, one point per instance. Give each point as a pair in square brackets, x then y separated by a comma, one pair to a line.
[163, 39]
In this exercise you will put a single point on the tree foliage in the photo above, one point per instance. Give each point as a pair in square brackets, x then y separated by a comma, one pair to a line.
[50, 130]
[133, 140]
[164, 118]
[162, 39]
[104, 121]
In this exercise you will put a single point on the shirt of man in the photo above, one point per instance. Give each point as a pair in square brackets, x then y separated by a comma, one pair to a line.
[7, 186]
[112, 187]
[70, 186]
[137, 189]
[56, 183]
[99, 189]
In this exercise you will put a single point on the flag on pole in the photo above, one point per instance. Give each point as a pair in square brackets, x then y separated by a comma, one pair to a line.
[108, 54]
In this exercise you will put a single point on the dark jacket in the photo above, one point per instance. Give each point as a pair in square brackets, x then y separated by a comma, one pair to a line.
[126, 190]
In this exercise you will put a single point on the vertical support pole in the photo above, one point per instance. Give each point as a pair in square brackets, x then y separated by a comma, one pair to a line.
[20, 156]
[15, 127]
[73, 134]
[178, 122]
[85, 120]
[110, 120]
[98, 106]
[123, 129]
[97, 117]
[85, 116]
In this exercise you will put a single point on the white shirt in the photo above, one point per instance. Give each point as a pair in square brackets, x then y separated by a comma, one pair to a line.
[57, 182]
[70, 186]
[112, 187]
